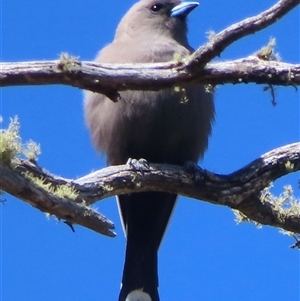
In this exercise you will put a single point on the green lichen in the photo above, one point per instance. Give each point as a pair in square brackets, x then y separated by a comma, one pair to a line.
[68, 63]
[289, 166]
[209, 88]
[31, 150]
[66, 191]
[62, 191]
[267, 53]
[286, 204]
[241, 218]
[10, 141]
[183, 95]
[210, 35]
[11, 145]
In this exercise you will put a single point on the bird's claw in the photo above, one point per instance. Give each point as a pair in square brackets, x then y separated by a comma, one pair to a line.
[140, 164]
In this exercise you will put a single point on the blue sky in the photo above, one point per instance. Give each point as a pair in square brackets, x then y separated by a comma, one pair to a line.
[205, 255]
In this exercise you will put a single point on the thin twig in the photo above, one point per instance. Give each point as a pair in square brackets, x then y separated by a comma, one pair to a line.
[226, 37]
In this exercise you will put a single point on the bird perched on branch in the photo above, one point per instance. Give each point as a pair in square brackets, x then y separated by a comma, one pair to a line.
[168, 126]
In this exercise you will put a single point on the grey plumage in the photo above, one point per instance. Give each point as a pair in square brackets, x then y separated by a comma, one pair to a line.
[157, 126]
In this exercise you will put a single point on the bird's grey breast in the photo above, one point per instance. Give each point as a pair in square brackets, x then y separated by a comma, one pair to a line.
[149, 124]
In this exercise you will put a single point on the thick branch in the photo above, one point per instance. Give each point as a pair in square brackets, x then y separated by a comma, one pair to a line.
[14, 181]
[109, 79]
[238, 190]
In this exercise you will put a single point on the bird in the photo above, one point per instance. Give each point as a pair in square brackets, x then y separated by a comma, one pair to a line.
[168, 126]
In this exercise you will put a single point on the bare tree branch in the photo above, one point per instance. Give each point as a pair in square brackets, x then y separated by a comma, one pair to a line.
[96, 77]
[111, 78]
[239, 190]
[14, 181]
[226, 37]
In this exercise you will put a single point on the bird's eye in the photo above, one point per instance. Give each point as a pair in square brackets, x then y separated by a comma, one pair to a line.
[156, 8]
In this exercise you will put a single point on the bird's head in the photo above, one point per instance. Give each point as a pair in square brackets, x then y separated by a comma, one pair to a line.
[155, 18]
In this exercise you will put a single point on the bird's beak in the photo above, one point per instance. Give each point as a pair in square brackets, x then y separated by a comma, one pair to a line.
[183, 9]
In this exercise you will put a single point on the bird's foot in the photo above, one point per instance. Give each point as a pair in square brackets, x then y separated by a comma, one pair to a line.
[141, 165]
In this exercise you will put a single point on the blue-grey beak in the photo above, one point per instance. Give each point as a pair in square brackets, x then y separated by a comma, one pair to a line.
[183, 9]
